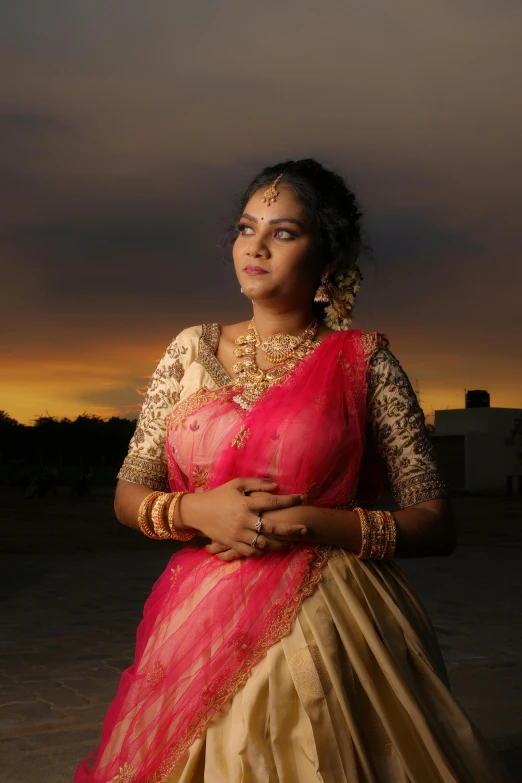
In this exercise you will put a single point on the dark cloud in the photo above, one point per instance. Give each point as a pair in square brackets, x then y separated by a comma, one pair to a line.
[29, 124]
[154, 253]
[28, 137]
[127, 133]
[412, 233]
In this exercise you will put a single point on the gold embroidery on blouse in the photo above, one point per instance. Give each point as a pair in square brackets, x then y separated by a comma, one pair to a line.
[191, 404]
[207, 347]
[241, 437]
[156, 674]
[145, 464]
[371, 341]
[417, 489]
[175, 574]
[139, 470]
[396, 422]
[126, 775]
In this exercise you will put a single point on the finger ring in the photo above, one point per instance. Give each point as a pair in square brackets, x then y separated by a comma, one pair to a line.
[254, 541]
[258, 524]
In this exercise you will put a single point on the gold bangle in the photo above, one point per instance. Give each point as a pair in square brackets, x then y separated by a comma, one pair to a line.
[391, 536]
[379, 534]
[156, 515]
[377, 524]
[143, 520]
[179, 535]
[366, 535]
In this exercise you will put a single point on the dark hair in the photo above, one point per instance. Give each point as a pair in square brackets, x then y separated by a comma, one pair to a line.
[330, 202]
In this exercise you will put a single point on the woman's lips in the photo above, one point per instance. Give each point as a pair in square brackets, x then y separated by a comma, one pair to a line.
[254, 270]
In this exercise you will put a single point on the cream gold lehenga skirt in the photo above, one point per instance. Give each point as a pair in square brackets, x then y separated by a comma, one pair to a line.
[357, 692]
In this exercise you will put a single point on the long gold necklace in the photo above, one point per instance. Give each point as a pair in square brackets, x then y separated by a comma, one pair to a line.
[282, 350]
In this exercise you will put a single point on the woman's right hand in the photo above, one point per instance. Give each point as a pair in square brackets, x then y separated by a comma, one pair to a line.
[227, 515]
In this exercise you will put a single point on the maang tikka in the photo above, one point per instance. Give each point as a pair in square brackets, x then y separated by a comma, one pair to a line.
[271, 193]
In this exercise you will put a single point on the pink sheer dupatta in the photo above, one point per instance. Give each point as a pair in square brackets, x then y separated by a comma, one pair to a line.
[206, 622]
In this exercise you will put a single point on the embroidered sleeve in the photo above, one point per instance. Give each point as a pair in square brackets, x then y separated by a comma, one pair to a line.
[145, 462]
[396, 424]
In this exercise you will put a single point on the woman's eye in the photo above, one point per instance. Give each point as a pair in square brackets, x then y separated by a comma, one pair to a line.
[289, 234]
[281, 233]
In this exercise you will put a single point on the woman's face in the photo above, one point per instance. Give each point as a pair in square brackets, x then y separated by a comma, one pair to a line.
[276, 254]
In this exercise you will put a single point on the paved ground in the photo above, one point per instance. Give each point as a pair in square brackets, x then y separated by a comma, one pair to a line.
[73, 585]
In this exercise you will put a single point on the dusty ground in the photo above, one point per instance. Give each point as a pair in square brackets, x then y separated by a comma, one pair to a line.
[74, 583]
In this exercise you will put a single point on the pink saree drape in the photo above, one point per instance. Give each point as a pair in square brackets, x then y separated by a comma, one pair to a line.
[206, 622]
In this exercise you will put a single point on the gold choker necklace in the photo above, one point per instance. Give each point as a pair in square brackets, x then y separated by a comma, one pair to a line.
[282, 350]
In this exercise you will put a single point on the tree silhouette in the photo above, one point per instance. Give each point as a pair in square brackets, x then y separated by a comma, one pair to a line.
[88, 441]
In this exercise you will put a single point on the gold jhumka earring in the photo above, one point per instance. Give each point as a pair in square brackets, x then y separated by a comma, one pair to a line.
[321, 295]
[271, 193]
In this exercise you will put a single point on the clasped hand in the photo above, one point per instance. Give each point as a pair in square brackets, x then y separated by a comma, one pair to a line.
[228, 515]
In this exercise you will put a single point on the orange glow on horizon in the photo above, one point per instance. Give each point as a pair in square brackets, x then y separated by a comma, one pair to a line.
[106, 380]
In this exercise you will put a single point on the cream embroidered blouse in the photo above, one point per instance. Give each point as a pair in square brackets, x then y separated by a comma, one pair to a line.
[395, 419]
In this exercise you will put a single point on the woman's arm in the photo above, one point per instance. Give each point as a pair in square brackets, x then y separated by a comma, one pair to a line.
[227, 514]
[425, 529]
[145, 464]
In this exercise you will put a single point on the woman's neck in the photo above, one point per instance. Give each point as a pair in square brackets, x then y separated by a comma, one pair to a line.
[293, 322]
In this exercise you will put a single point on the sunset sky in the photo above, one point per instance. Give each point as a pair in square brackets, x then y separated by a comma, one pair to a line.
[127, 129]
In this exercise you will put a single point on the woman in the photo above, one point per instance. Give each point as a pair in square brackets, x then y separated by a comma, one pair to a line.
[290, 648]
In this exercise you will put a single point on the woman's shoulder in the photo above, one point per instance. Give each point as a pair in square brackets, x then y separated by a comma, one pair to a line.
[188, 344]
[383, 366]
[190, 337]
[193, 339]
[373, 341]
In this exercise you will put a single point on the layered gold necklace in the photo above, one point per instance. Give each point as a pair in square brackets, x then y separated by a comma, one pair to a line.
[283, 351]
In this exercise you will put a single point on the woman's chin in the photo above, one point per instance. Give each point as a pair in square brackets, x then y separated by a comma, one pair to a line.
[255, 288]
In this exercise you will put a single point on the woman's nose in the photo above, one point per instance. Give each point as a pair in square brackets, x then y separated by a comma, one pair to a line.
[257, 248]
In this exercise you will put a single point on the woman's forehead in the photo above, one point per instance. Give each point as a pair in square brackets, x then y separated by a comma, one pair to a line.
[285, 205]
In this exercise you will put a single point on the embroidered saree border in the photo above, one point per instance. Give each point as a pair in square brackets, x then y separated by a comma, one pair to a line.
[207, 347]
[280, 625]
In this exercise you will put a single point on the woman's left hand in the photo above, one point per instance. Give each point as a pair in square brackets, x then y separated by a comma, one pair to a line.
[223, 553]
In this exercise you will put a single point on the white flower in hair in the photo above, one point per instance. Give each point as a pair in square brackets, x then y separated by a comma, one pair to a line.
[347, 285]
[333, 321]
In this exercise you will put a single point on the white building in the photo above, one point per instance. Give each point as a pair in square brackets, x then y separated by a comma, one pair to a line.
[476, 451]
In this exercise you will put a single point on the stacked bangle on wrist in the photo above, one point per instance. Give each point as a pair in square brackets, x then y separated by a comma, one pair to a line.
[391, 536]
[157, 527]
[366, 533]
[379, 534]
[180, 535]
[143, 514]
[156, 515]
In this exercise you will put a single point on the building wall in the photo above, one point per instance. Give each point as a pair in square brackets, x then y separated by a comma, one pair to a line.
[475, 443]
[462, 420]
[485, 463]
